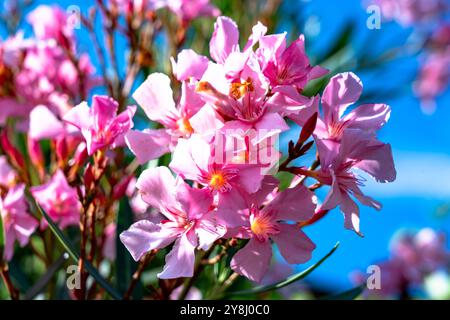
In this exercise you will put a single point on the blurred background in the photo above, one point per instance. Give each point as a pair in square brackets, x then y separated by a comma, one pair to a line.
[390, 59]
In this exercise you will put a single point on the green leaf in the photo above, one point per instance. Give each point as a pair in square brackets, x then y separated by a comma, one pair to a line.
[346, 295]
[288, 281]
[124, 263]
[74, 255]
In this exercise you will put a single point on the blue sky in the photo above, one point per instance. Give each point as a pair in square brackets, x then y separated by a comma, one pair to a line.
[420, 145]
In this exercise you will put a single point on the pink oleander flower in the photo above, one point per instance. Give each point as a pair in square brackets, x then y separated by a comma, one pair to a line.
[433, 79]
[155, 97]
[286, 66]
[356, 150]
[270, 223]
[100, 125]
[342, 91]
[189, 222]
[198, 160]
[59, 200]
[18, 224]
[51, 22]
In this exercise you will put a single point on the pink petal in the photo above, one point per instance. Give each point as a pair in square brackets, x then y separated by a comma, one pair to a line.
[157, 187]
[79, 116]
[343, 90]
[378, 162]
[144, 236]
[334, 196]
[44, 124]
[180, 260]
[148, 145]
[104, 110]
[250, 178]
[294, 204]
[253, 260]
[351, 214]
[194, 202]
[231, 209]
[206, 121]
[224, 40]
[369, 117]
[293, 243]
[208, 231]
[189, 64]
[191, 157]
[155, 97]
[24, 227]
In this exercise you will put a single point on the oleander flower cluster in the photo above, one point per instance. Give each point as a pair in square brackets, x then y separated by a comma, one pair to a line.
[219, 183]
[182, 170]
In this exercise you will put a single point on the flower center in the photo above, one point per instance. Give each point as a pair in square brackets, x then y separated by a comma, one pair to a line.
[263, 225]
[217, 181]
[184, 126]
[239, 89]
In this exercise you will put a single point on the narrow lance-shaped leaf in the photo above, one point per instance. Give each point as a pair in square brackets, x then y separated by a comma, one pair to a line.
[286, 282]
[74, 255]
[346, 295]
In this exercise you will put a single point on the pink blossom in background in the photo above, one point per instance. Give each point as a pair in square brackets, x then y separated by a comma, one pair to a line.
[188, 10]
[18, 224]
[100, 125]
[109, 245]
[408, 12]
[189, 222]
[433, 79]
[51, 22]
[414, 255]
[59, 200]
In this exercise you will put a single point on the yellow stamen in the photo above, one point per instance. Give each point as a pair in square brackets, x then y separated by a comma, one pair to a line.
[239, 89]
[217, 181]
[185, 126]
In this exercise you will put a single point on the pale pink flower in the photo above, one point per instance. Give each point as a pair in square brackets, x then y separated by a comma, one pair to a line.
[341, 92]
[18, 224]
[356, 150]
[199, 160]
[286, 65]
[59, 200]
[270, 223]
[100, 125]
[409, 12]
[155, 97]
[189, 222]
